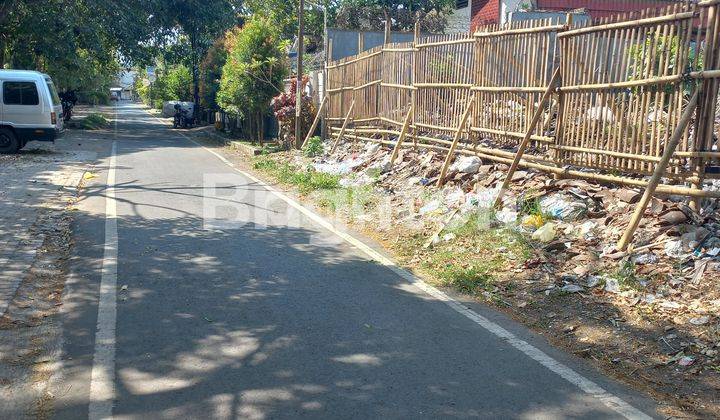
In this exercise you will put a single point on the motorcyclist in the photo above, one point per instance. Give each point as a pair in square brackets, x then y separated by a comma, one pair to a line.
[68, 99]
[180, 119]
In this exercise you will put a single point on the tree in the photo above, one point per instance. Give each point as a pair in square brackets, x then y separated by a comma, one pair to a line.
[178, 84]
[211, 72]
[254, 71]
[197, 24]
[372, 14]
[78, 42]
[283, 14]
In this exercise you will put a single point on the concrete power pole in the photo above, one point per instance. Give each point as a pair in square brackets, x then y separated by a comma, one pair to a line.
[299, 92]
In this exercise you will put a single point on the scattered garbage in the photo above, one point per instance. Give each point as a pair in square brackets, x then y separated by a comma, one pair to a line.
[700, 320]
[646, 258]
[562, 207]
[572, 288]
[466, 164]
[430, 207]
[686, 361]
[575, 228]
[507, 216]
[546, 233]
[612, 285]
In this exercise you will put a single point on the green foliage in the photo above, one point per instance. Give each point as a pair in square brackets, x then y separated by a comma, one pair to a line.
[371, 14]
[468, 262]
[644, 59]
[178, 84]
[174, 84]
[93, 121]
[77, 42]
[199, 23]
[306, 180]
[314, 147]
[254, 70]
[282, 14]
[211, 72]
[626, 275]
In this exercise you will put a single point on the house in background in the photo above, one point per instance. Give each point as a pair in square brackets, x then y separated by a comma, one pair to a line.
[471, 14]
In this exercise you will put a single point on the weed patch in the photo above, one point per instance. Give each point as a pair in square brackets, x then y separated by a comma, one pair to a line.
[94, 121]
[307, 180]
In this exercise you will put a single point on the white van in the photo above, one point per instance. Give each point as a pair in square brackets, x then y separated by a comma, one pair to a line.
[30, 109]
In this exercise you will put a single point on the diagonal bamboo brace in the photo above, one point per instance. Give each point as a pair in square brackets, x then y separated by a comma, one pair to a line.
[528, 134]
[403, 133]
[458, 133]
[316, 120]
[658, 172]
[344, 126]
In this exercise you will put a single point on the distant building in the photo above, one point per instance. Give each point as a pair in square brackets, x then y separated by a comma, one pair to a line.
[125, 84]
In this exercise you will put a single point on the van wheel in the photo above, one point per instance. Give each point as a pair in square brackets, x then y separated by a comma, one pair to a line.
[8, 142]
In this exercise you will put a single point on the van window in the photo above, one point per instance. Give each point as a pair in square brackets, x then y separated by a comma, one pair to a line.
[20, 93]
[53, 92]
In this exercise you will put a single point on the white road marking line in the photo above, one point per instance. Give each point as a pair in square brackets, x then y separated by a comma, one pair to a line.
[586, 385]
[102, 383]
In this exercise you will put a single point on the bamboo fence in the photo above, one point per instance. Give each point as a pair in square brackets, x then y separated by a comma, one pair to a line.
[623, 86]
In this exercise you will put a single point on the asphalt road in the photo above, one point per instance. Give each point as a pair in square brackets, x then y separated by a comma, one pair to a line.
[208, 296]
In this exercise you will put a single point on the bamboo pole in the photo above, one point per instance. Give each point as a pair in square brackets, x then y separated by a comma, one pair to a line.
[458, 133]
[344, 126]
[521, 31]
[630, 24]
[658, 173]
[403, 132]
[528, 134]
[316, 120]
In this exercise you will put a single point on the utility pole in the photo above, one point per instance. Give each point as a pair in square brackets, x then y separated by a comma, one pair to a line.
[299, 92]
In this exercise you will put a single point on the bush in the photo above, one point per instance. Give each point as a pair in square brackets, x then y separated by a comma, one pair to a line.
[174, 84]
[93, 121]
[314, 147]
[284, 109]
[254, 71]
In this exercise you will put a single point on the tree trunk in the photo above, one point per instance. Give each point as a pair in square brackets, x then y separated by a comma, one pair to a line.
[259, 128]
[195, 74]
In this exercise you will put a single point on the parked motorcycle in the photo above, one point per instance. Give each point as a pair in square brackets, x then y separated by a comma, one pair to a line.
[68, 100]
[182, 119]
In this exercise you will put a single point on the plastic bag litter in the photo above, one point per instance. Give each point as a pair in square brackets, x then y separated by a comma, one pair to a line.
[454, 197]
[430, 207]
[674, 249]
[339, 168]
[466, 164]
[546, 233]
[647, 258]
[507, 216]
[533, 221]
[562, 207]
[484, 198]
[356, 181]
[572, 288]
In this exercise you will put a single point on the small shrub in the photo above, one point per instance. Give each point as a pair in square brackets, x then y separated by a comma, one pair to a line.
[306, 180]
[471, 280]
[314, 147]
[93, 121]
